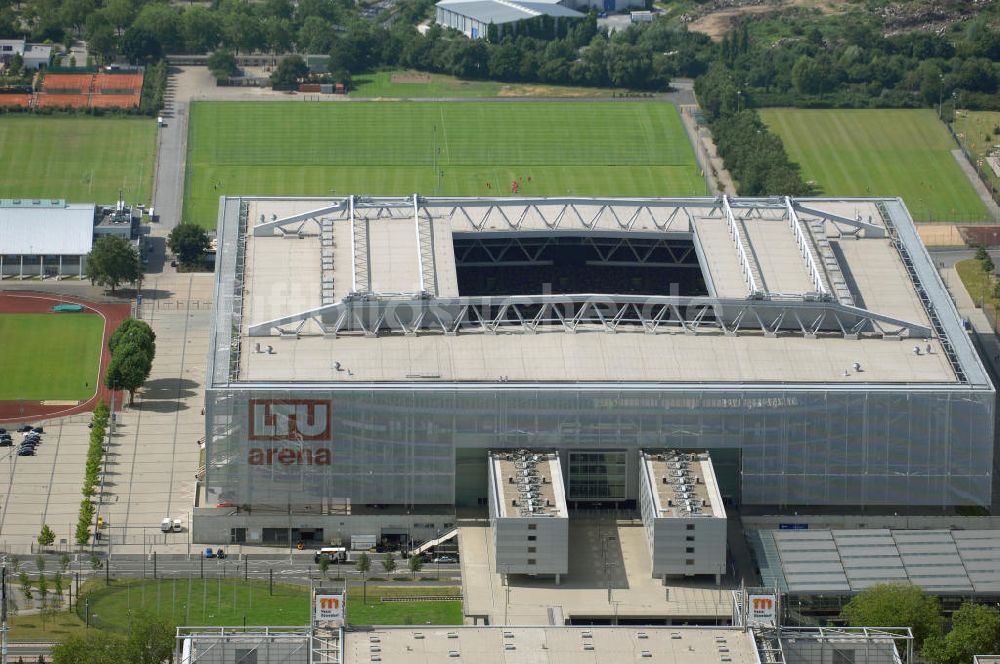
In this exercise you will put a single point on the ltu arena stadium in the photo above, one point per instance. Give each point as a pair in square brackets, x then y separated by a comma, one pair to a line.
[368, 354]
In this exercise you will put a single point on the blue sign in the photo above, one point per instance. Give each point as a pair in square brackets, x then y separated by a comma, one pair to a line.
[793, 526]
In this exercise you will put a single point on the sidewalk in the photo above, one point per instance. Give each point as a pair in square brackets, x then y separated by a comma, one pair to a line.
[985, 339]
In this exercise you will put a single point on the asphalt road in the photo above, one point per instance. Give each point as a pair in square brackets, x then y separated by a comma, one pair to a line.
[168, 197]
[300, 569]
[948, 257]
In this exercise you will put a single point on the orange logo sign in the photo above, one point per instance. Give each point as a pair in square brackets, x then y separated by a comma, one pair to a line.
[329, 603]
[763, 603]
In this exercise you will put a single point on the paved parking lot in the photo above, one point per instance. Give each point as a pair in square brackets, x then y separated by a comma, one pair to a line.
[44, 488]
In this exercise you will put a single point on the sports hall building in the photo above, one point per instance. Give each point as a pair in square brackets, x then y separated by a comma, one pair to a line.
[369, 354]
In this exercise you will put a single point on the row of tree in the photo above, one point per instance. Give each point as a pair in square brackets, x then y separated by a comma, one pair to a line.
[754, 155]
[92, 469]
[975, 628]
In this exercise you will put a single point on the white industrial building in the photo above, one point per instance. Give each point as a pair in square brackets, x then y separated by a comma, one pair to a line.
[683, 514]
[528, 514]
[45, 238]
[473, 17]
[35, 56]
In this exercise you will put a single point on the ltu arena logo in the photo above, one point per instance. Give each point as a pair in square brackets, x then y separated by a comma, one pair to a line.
[297, 419]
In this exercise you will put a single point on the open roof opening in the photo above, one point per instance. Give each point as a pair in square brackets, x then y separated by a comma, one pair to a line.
[505, 264]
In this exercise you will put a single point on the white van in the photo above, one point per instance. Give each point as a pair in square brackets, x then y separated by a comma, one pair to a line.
[166, 525]
[336, 554]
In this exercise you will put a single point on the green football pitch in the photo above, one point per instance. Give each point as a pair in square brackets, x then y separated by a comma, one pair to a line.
[905, 153]
[50, 356]
[391, 149]
[79, 159]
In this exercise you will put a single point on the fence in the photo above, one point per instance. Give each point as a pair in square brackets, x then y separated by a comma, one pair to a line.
[983, 170]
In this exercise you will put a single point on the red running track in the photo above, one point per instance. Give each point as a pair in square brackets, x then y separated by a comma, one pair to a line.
[23, 302]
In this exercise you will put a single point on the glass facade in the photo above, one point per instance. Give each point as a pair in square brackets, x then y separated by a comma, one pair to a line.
[597, 476]
[873, 447]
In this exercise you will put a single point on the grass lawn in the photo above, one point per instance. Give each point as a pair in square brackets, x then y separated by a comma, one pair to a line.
[32, 629]
[79, 159]
[210, 601]
[420, 84]
[904, 153]
[377, 612]
[388, 148]
[979, 284]
[50, 356]
[976, 131]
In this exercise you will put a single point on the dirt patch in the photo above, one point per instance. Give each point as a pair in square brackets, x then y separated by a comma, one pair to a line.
[35, 303]
[542, 91]
[717, 23]
[410, 77]
[940, 235]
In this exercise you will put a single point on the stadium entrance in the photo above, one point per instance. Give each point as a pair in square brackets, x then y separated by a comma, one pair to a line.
[533, 264]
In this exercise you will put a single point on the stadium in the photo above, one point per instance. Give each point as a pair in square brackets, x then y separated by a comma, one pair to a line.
[368, 355]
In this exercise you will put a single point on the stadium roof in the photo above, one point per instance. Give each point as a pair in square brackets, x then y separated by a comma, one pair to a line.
[848, 561]
[45, 227]
[507, 11]
[815, 291]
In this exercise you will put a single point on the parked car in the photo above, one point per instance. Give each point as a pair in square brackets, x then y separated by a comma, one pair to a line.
[6, 442]
[209, 553]
[38, 429]
[23, 428]
[165, 526]
[220, 554]
[2, 431]
[443, 559]
[26, 452]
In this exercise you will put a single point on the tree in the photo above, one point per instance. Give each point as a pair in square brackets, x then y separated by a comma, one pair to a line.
[150, 640]
[16, 64]
[288, 72]
[324, 565]
[363, 565]
[40, 564]
[987, 265]
[63, 562]
[25, 585]
[113, 261]
[975, 629]
[46, 537]
[91, 647]
[895, 605]
[202, 30]
[222, 64]
[134, 331]
[389, 562]
[415, 563]
[188, 241]
[129, 368]
[981, 253]
[57, 583]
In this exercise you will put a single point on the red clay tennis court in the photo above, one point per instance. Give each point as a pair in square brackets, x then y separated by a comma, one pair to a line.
[23, 302]
[100, 90]
[45, 100]
[13, 100]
